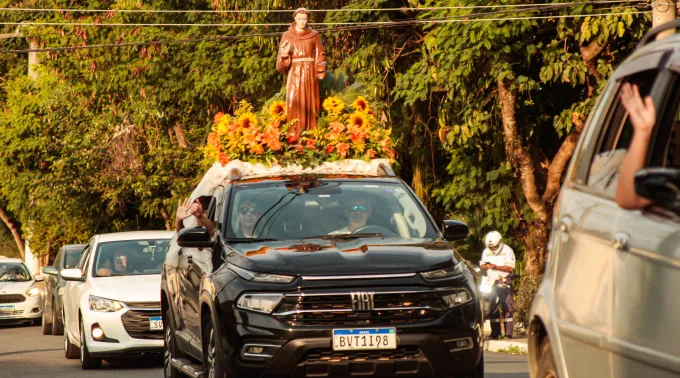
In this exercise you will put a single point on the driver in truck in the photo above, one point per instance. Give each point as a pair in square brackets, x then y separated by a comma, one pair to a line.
[357, 211]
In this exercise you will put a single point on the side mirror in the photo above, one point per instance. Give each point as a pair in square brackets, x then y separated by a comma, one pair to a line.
[662, 185]
[455, 230]
[198, 237]
[52, 271]
[39, 278]
[73, 275]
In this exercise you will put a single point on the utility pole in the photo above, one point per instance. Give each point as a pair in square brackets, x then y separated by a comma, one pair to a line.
[663, 11]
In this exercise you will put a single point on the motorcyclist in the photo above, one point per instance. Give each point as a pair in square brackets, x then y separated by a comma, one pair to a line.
[498, 262]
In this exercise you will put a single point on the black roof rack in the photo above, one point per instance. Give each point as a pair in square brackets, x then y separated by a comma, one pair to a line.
[675, 24]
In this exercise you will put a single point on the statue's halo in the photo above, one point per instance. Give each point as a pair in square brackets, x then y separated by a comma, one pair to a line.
[301, 11]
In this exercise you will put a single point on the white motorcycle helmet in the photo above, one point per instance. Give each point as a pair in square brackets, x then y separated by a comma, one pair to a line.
[494, 242]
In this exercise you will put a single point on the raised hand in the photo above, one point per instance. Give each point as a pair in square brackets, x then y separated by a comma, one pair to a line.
[184, 209]
[196, 209]
[641, 113]
[285, 49]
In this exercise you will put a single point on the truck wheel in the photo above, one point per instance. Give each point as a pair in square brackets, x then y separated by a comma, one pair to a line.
[86, 360]
[169, 347]
[479, 370]
[546, 365]
[70, 351]
[213, 357]
[57, 325]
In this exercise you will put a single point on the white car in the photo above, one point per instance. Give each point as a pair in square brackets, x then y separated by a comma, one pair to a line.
[112, 298]
[20, 298]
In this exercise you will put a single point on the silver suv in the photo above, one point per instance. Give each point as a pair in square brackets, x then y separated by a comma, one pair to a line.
[606, 306]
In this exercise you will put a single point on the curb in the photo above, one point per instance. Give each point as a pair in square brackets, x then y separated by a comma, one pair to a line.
[497, 345]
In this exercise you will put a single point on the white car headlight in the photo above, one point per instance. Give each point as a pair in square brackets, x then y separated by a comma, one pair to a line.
[259, 302]
[33, 292]
[456, 297]
[104, 305]
[443, 273]
[260, 277]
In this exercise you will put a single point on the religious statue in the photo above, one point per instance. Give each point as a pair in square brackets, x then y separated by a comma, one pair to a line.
[301, 57]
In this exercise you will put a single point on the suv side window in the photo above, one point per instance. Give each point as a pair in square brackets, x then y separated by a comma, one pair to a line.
[616, 134]
[83, 258]
[57, 260]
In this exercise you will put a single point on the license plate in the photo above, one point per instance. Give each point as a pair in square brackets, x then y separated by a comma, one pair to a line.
[364, 338]
[6, 308]
[156, 323]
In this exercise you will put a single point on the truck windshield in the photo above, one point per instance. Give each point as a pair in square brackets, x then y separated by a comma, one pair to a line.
[325, 209]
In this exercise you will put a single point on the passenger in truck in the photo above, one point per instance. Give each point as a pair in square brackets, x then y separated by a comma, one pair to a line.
[357, 211]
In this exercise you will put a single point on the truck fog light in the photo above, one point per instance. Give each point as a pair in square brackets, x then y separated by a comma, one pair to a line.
[458, 345]
[97, 333]
[255, 350]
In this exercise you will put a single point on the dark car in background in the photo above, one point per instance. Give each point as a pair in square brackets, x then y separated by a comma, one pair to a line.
[67, 258]
[286, 288]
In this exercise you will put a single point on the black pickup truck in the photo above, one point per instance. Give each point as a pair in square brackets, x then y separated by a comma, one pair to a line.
[324, 276]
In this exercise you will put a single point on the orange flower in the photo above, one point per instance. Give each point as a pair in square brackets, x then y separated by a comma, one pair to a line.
[257, 149]
[214, 140]
[218, 117]
[343, 148]
[336, 127]
[385, 143]
[370, 153]
[311, 144]
[223, 159]
[356, 134]
[271, 138]
[299, 148]
[360, 104]
[291, 138]
[330, 149]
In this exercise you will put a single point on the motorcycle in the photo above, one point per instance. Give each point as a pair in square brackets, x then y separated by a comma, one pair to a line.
[489, 289]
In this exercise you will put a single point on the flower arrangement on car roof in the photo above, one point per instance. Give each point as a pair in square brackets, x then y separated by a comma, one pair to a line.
[341, 133]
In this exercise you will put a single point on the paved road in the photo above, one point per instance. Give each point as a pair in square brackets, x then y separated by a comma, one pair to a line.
[26, 353]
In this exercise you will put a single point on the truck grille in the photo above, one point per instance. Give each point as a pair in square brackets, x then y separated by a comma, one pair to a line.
[136, 322]
[12, 298]
[328, 355]
[388, 308]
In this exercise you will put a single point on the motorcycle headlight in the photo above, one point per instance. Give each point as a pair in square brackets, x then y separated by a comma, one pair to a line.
[104, 305]
[443, 273]
[33, 292]
[456, 297]
[260, 277]
[259, 302]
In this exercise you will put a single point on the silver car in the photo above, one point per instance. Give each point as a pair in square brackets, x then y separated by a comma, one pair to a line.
[606, 306]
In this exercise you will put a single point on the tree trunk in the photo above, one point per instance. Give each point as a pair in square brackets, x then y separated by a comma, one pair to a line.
[15, 232]
[535, 239]
[169, 220]
[181, 140]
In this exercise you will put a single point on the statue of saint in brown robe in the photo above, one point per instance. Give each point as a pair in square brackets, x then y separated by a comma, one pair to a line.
[302, 58]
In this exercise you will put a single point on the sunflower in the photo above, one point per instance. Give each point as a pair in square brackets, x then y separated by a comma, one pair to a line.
[277, 110]
[333, 105]
[247, 120]
[361, 105]
[358, 120]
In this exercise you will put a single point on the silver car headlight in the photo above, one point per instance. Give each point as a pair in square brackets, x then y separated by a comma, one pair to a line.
[104, 305]
[34, 291]
[456, 297]
[260, 277]
[443, 273]
[259, 302]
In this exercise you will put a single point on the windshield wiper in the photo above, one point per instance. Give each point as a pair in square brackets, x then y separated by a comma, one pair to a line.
[346, 236]
[248, 240]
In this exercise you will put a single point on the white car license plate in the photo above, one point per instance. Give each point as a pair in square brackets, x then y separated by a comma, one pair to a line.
[6, 309]
[364, 338]
[156, 323]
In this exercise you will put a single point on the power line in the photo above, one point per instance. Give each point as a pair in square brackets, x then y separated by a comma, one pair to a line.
[325, 30]
[349, 23]
[404, 9]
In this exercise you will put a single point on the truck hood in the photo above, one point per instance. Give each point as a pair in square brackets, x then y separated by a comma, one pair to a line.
[141, 288]
[10, 287]
[360, 256]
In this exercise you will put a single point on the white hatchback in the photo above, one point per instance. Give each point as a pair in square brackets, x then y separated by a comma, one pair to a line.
[20, 297]
[112, 299]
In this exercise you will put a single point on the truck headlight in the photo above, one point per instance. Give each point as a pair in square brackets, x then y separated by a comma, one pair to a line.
[104, 305]
[259, 302]
[260, 277]
[33, 292]
[456, 297]
[443, 273]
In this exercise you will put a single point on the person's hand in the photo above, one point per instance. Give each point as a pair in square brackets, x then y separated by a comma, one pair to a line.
[285, 49]
[184, 209]
[641, 113]
[196, 209]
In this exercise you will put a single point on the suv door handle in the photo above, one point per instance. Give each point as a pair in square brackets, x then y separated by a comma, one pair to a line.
[565, 224]
[622, 241]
